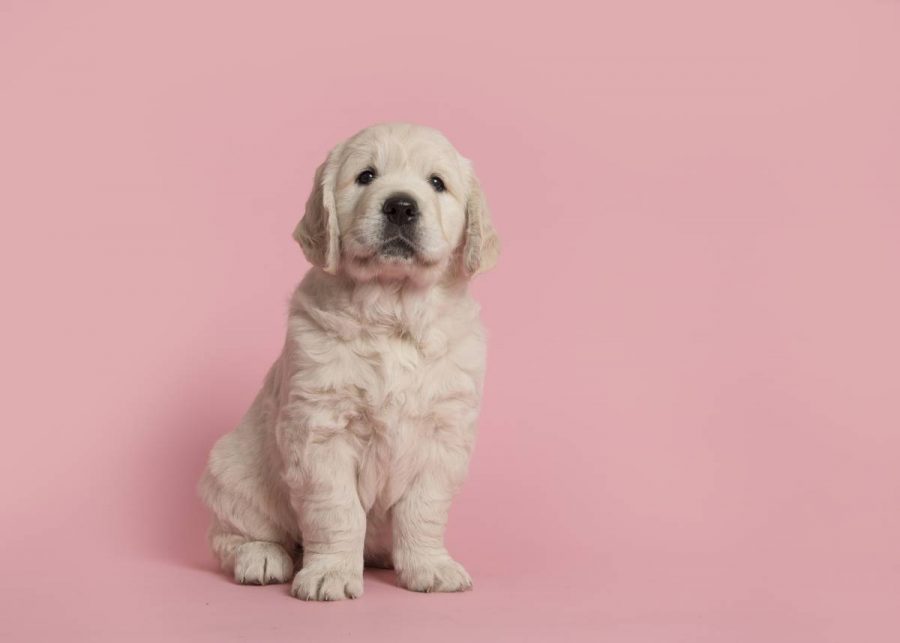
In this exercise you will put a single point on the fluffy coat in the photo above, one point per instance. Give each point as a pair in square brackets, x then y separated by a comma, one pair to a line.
[353, 449]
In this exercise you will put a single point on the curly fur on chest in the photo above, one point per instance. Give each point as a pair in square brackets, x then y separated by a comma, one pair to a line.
[393, 374]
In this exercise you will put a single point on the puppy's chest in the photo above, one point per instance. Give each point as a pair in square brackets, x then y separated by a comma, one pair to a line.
[405, 408]
[402, 380]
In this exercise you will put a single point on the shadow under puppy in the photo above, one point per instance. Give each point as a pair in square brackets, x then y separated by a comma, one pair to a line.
[361, 434]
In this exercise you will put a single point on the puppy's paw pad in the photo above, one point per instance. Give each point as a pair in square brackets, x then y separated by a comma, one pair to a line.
[326, 584]
[441, 575]
[262, 563]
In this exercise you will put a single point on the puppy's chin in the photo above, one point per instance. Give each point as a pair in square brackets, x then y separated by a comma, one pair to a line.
[394, 262]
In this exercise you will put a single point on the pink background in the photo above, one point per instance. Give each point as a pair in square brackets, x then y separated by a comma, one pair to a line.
[692, 421]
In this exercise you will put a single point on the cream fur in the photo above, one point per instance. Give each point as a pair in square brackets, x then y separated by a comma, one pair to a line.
[362, 432]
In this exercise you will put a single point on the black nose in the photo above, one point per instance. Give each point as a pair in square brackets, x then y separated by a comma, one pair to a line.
[400, 209]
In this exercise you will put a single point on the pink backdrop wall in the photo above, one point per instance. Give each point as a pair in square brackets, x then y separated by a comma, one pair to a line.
[692, 419]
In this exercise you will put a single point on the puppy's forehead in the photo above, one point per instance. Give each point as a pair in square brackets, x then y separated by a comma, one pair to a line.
[385, 147]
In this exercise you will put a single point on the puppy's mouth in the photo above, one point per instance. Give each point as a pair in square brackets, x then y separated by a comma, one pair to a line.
[391, 250]
[398, 247]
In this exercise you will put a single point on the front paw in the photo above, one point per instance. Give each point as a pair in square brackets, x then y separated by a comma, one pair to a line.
[434, 574]
[327, 582]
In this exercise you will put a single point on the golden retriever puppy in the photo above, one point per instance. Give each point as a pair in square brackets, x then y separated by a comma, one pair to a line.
[361, 434]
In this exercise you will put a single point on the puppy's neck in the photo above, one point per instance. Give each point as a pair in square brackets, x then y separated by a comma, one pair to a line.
[350, 308]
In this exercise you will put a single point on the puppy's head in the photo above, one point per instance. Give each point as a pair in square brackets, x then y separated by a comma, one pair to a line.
[397, 201]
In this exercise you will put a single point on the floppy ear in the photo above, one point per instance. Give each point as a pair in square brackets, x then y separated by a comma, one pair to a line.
[317, 233]
[481, 247]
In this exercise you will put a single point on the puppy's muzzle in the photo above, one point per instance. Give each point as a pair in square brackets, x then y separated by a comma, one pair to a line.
[401, 213]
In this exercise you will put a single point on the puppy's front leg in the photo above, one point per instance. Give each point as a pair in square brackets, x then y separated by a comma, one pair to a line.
[332, 521]
[420, 517]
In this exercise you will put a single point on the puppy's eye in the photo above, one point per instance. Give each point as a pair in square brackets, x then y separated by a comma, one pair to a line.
[365, 177]
[437, 183]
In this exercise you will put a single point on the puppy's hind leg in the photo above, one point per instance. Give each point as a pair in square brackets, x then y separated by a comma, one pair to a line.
[254, 562]
[248, 533]
[252, 532]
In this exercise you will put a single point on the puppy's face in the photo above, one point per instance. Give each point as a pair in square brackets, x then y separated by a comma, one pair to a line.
[400, 199]
[395, 202]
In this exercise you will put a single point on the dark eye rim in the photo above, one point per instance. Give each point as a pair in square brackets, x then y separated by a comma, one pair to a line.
[437, 183]
[366, 176]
